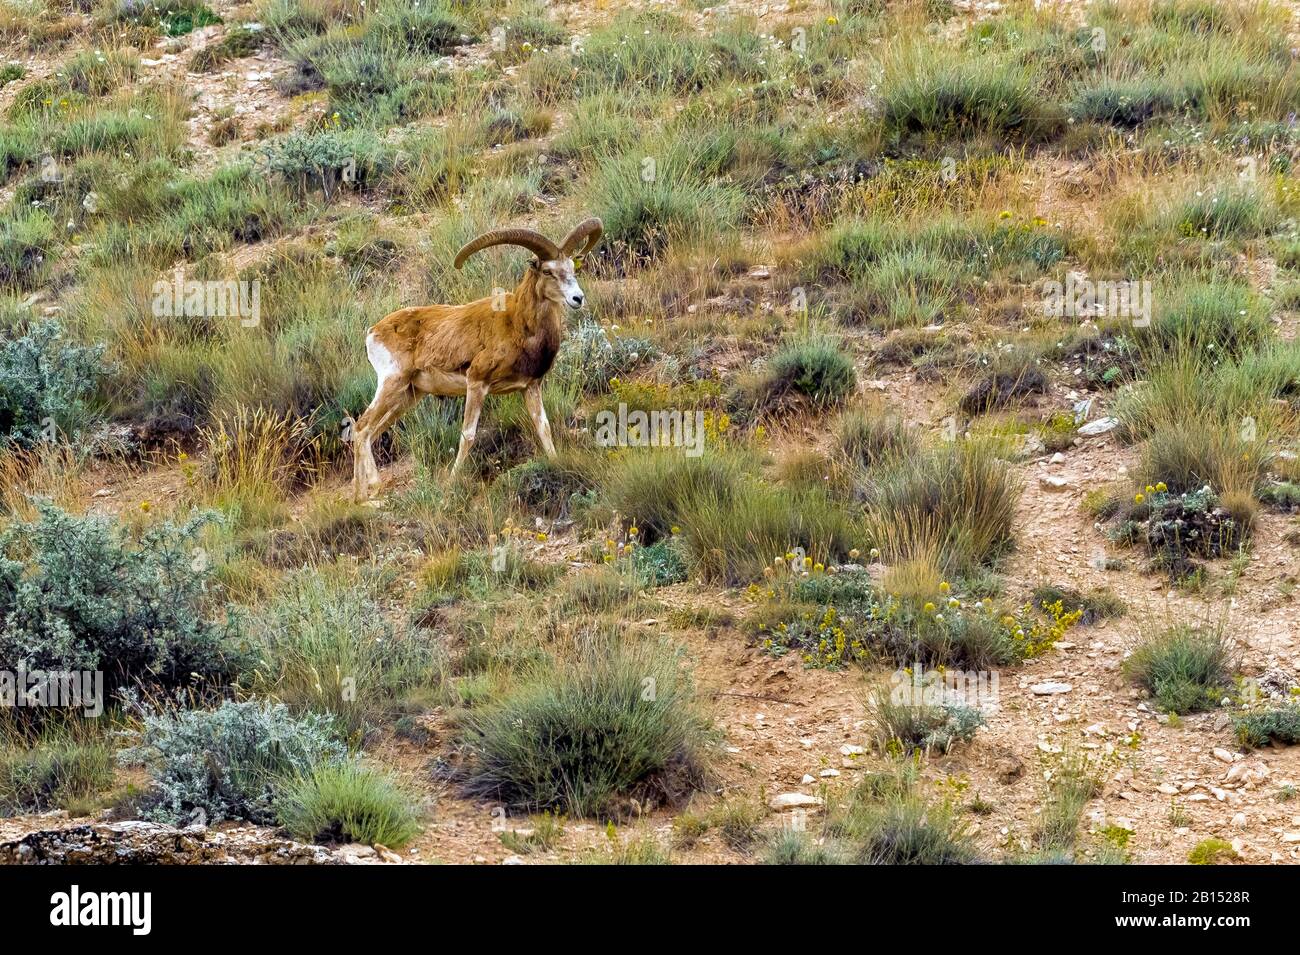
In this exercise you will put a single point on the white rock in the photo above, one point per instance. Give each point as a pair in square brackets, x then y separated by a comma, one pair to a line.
[1100, 426]
[793, 801]
[850, 750]
[1050, 482]
[1225, 755]
[1050, 688]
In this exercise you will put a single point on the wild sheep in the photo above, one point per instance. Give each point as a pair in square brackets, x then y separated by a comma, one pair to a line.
[501, 343]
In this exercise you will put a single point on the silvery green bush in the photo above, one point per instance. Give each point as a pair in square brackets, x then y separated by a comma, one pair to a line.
[46, 380]
[83, 593]
[590, 356]
[227, 763]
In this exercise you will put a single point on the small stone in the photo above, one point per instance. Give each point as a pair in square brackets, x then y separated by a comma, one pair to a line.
[1239, 821]
[807, 779]
[1050, 482]
[850, 750]
[1100, 426]
[1224, 755]
[829, 773]
[793, 801]
[1050, 688]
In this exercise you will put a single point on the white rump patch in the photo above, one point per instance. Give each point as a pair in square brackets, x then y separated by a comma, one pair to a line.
[382, 360]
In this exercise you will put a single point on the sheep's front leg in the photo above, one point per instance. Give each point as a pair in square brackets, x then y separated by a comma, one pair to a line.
[537, 411]
[475, 392]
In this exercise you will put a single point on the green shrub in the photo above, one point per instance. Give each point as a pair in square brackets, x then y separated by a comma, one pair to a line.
[621, 723]
[589, 356]
[1099, 604]
[46, 380]
[554, 488]
[174, 17]
[1277, 724]
[661, 563]
[1125, 103]
[227, 763]
[1212, 852]
[241, 40]
[347, 802]
[816, 369]
[908, 726]
[327, 159]
[81, 593]
[1185, 669]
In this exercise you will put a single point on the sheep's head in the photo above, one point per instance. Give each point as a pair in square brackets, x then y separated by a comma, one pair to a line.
[555, 264]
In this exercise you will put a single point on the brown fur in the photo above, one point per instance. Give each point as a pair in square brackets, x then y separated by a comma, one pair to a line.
[474, 349]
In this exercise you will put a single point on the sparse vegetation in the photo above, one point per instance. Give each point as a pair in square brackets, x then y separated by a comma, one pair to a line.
[885, 292]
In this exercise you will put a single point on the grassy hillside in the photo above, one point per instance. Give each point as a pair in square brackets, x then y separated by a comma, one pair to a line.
[987, 318]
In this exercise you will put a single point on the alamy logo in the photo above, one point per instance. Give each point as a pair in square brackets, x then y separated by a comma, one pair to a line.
[651, 429]
[25, 688]
[1084, 298]
[208, 299]
[72, 908]
[977, 689]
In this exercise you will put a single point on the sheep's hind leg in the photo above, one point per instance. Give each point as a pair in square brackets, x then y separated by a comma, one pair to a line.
[392, 400]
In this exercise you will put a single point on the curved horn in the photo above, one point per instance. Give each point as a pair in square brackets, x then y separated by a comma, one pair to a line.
[534, 242]
[589, 229]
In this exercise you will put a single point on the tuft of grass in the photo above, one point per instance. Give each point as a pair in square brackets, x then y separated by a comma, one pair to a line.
[1229, 212]
[867, 436]
[929, 92]
[957, 499]
[791, 847]
[254, 457]
[61, 767]
[347, 802]
[586, 735]
[1071, 785]
[1184, 668]
[325, 647]
[899, 826]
